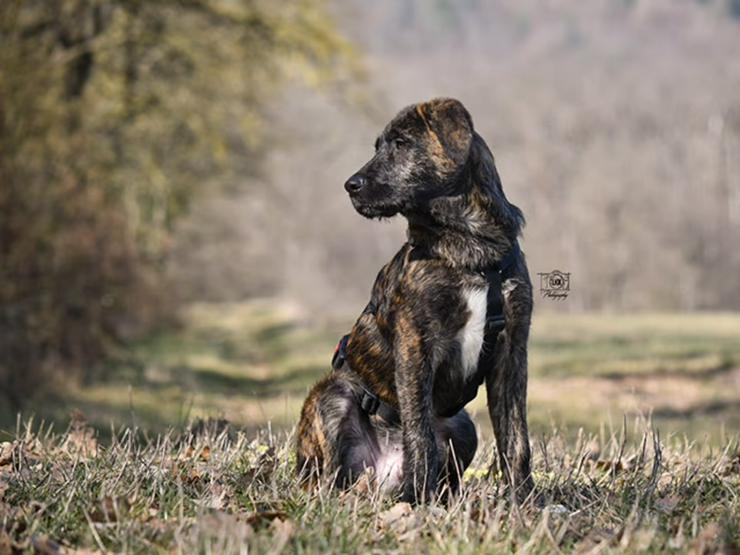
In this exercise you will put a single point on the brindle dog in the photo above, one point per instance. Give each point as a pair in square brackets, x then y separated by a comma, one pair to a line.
[417, 344]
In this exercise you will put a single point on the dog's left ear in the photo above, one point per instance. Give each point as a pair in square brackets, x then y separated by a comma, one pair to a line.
[448, 119]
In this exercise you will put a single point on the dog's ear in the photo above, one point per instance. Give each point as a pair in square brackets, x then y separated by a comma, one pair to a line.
[485, 175]
[452, 125]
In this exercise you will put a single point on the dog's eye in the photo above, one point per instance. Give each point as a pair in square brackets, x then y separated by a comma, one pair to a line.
[400, 142]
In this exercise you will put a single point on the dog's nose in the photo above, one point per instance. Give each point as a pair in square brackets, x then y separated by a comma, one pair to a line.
[355, 183]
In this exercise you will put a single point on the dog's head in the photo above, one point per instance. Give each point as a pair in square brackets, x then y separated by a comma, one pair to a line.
[419, 156]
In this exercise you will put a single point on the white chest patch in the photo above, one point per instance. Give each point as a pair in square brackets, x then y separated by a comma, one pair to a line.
[471, 335]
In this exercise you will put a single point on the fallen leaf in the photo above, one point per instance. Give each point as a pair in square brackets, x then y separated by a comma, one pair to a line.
[193, 476]
[611, 465]
[81, 440]
[262, 470]
[732, 466]
[6, 453]
[261, 518]
[397, 511]
[203, 454]
[363, 488]
[399, 519]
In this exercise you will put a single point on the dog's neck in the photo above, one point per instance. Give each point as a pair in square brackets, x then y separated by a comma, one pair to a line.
[461, 230]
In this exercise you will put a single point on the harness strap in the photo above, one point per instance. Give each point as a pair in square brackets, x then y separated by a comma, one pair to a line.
[369, 402]
[495, 275]
[372, 404]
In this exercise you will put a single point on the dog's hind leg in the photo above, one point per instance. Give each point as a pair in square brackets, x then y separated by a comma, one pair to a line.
[313, 449]
[335, 437]
[356, 445]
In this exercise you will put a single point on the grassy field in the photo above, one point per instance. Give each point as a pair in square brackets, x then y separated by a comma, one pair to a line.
[223, 491]
[634, 423]
[252, 364]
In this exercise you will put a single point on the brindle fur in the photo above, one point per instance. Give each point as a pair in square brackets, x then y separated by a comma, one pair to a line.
[434, 169]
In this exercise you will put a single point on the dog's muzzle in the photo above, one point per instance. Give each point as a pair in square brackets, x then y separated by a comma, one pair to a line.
[355, 184]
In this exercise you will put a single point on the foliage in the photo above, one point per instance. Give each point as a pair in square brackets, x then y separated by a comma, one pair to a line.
[213, 489]
[113, 114]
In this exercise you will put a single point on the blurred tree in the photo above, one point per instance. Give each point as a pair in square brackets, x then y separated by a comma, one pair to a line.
[113, 114]
[734, 6]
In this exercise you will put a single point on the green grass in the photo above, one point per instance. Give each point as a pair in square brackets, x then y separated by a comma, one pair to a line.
[253, 363]
[130, 477]
[226, 491]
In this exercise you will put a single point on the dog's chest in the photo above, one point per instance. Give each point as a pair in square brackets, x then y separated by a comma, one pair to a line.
[473, 332]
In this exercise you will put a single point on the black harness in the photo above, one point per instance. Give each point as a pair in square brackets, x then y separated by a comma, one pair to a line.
[495, 276]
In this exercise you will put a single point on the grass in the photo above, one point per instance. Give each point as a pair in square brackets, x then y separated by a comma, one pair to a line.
[253, 363]
[633, 422]
[220, 490]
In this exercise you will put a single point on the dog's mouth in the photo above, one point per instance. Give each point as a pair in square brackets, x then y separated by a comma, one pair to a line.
[375, 200]
[374, 209]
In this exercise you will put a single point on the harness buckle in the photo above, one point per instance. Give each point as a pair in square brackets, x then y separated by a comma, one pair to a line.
[496, 321]
[369, 403]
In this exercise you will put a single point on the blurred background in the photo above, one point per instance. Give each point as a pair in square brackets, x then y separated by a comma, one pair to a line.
[175, 242]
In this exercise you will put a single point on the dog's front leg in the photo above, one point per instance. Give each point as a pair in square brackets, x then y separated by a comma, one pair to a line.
[414, 380]
[507, 405]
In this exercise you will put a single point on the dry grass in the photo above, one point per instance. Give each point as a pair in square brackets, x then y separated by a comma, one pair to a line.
[253, 363]
[131, 480]
[224, 491]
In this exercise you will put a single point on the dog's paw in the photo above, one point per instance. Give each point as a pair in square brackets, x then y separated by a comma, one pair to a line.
[408, 494]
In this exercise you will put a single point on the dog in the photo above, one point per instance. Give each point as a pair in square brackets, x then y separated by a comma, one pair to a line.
[449, 312]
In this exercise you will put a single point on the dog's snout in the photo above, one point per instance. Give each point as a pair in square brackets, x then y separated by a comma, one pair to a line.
[355, 183]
